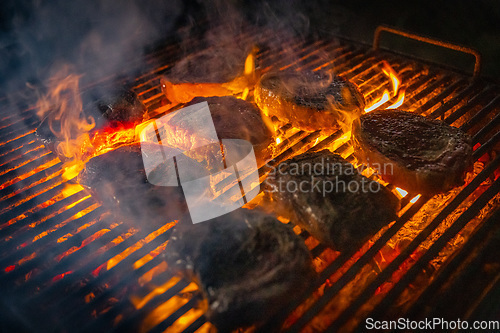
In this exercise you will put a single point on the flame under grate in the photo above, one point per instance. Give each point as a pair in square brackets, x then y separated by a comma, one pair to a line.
[66, 264]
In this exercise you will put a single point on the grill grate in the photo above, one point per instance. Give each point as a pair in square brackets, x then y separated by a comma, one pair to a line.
[68, 265]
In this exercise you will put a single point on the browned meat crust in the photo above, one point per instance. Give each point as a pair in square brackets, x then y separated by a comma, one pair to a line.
[233, 119]
[326, 195]
[118, 181]
[247, 264]
[427, 156]
[309, 100]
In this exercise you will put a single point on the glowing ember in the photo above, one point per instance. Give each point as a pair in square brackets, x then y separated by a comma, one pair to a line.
[70, 189]
[60, 276]
[278, 140]
[340, 141]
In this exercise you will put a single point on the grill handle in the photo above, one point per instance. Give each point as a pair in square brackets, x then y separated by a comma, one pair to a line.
[455, 47]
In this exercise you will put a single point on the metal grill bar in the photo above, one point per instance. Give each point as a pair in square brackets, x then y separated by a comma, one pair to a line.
[449, 269]
[430, 254]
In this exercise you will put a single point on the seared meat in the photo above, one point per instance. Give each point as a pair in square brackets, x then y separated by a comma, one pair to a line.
[238, 119]
[233, 119]
[118, 181]
[218, 71]
[247, 264]
[118, 106]
[325, 194]
[426, 156]
[309, 100]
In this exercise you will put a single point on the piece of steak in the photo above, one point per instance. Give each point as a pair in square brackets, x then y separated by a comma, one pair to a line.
[247, 264]
[233, 118]
[309, 100]
[327, 196]
[115, 106]
[117, 179]
[425, 156]
[218, 71]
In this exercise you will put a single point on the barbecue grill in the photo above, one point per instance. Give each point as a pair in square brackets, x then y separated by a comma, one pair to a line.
[66, 264]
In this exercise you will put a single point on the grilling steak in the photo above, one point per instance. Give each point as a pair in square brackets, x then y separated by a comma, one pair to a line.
[218, 71]
[116, 107]
[117, 179]
[325, 194]
[247, 264]
[427, 156]
[309, 100]
[233, 119]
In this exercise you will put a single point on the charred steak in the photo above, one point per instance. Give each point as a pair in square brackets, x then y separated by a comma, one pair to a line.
[309, 100]
[427, 156]
[117, 179]
[327, 196]
[233, 119]
[247, 264]
[116, 106]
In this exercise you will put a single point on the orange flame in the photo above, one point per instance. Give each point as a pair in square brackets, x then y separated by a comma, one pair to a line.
[78, 141]
[399, 101]
[62, 106]
[249, 64]
[178, 93]
[379, 102]
[387, 95]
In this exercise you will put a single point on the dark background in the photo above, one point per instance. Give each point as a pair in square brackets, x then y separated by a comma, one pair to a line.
[472, 23]
[100, 37]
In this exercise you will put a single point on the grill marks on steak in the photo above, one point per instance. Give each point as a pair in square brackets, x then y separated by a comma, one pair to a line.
[247, 264]
[309, 100]
[344, 218]
[427, 156]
